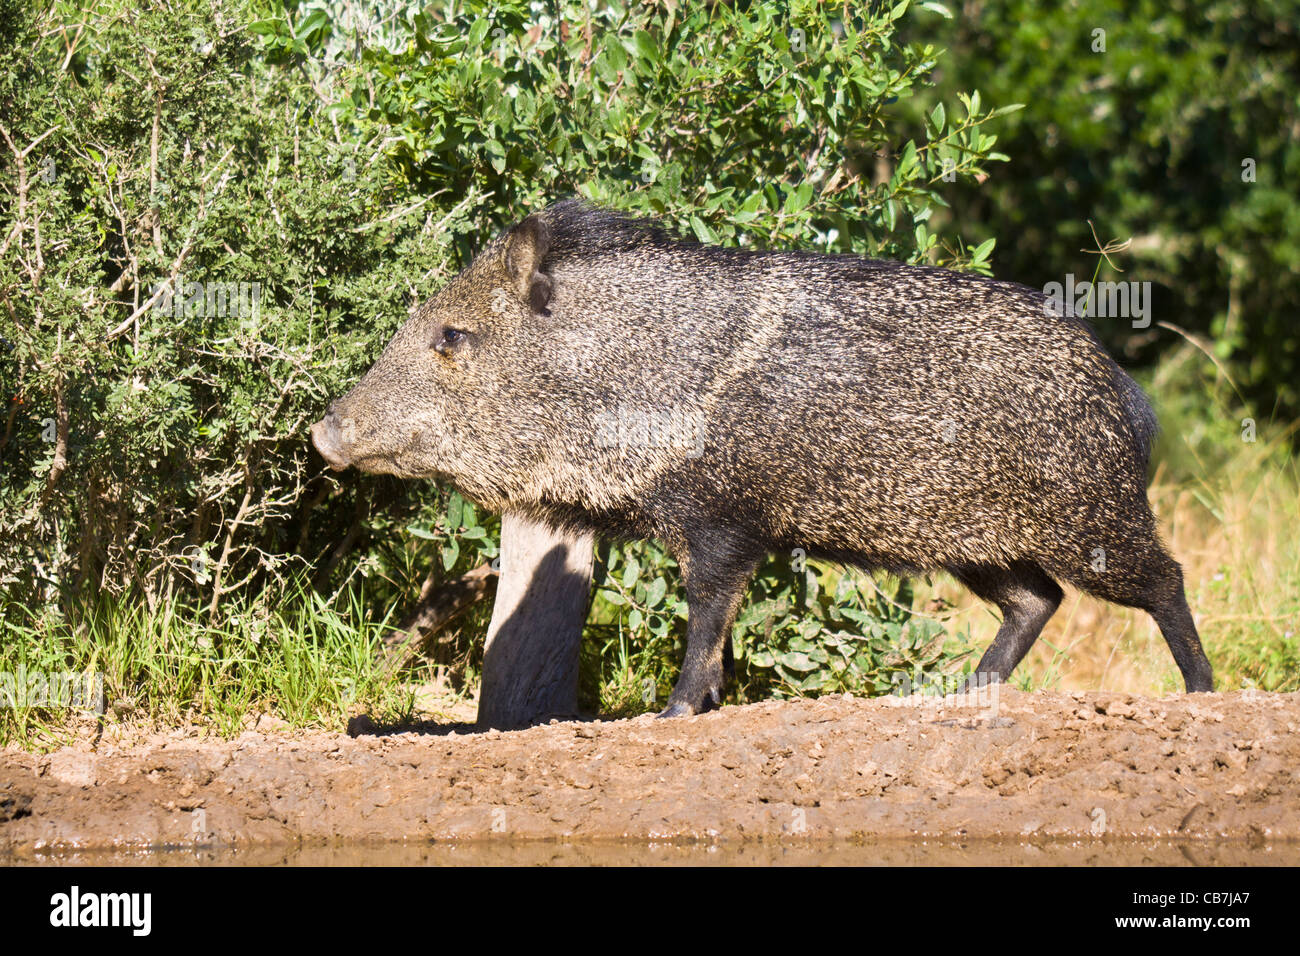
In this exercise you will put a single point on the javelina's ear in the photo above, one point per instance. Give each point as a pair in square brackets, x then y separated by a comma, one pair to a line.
[526, 247]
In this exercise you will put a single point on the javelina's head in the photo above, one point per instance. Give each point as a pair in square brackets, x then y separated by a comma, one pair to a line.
[449, 396]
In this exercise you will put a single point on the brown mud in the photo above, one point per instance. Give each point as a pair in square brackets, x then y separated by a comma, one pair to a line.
[1084, 778]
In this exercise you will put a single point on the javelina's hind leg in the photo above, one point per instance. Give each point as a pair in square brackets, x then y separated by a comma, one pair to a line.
[714, 588]
[1026, 596]
[1179, 630]
[1153, 581]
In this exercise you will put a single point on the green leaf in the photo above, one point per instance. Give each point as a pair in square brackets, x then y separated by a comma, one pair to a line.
[938, 116]
[797, 661]
[268, 27]
[936, 7]
[646, 46]
[655, 592]
[477, 32]
[315, 20]
[983, 249]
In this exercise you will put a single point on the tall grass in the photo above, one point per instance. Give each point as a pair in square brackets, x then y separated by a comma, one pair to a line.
[307, 663]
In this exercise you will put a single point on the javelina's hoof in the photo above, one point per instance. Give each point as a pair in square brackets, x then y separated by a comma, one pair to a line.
[683, 708]
[678, 709]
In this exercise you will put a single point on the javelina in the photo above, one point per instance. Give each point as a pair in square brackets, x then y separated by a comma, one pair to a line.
[593, 371]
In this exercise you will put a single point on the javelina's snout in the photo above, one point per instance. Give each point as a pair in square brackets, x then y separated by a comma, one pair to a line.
[326, 436]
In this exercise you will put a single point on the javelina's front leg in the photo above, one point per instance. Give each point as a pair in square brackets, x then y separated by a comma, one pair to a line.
[714, 588]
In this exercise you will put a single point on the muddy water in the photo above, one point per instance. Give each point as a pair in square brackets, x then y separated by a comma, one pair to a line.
[545, 853]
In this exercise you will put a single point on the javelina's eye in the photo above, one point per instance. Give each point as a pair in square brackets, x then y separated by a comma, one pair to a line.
[449, 338]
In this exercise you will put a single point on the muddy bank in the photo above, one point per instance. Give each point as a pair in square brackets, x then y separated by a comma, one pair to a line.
[1030, 770]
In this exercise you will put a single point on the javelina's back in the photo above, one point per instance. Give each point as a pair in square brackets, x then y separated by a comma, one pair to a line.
[905, 416]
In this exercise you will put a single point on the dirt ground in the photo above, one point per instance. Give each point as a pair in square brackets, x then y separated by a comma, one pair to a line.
[1091, 769]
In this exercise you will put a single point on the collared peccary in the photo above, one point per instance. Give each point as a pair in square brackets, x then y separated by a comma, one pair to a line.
[595, 372]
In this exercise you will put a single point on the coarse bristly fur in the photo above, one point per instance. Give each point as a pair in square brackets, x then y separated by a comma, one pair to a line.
[594, 371]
